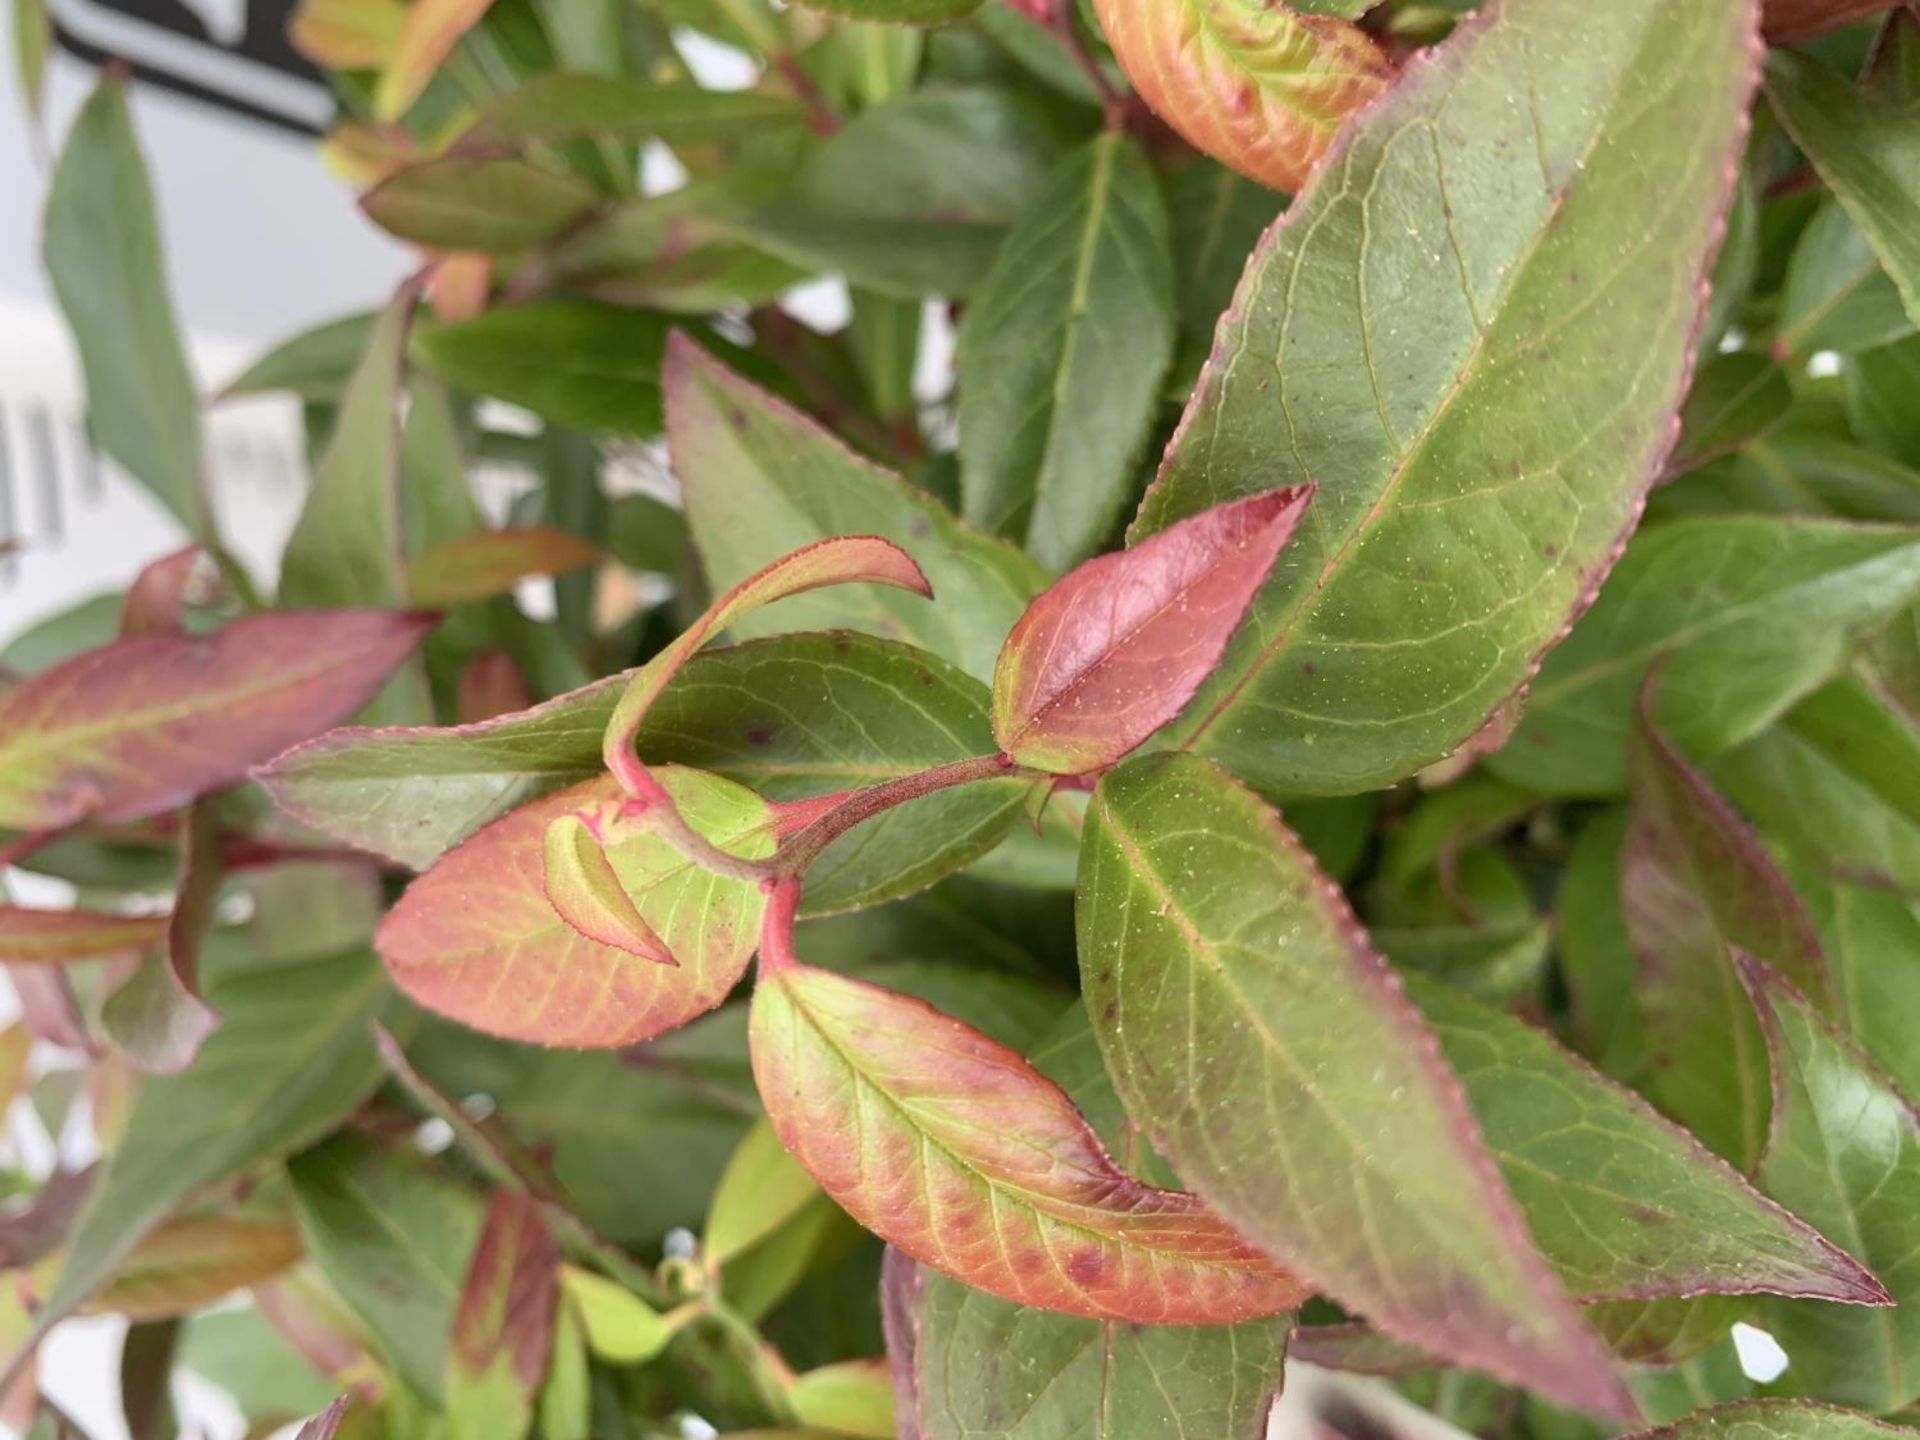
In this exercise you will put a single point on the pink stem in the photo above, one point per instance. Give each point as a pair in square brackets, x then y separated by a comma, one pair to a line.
[862, 805]
[776, 924]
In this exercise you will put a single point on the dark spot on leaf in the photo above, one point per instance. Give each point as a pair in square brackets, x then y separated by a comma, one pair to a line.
[1085, 1267]
[761, 735]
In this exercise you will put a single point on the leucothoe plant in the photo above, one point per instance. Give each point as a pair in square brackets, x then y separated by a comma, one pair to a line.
[1312, 828]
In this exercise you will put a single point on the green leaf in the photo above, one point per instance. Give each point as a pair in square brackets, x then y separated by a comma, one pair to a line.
[1624, 1204]
[346, 542]
[884, 335]
[155, 1017]
[844, 560]
[103, 256]
[345, 547]
[291, 1060]
[1774, 1420]
[1735, 400]
[556, 106]
[1695, 887]
[498, 205]
[1460, 253]
[805, 715]
[761, 1189]
[636, 1143]
[32, 43]
[477, 939]
[1800, 474]
[577, 362]
[759, 480]
[791, 716]
[1596, 957]
[684, 250]
[566, 1394]
[1844, 1154]
[1866, 147]
[1872, 940]
[1752, 613]
[913, 196]
[1664, 1332]
[86, 625]
[1062, 353]
[1836, 295]
[393, 1237]
[984, 1367]
[1837, 781]
[848, 1397]
[1877, 386]
[898, 12]
[503, 1324]
[1270, 1056]
[314, 364]
[238, 1351]
[1218, 217]
[412, 793]
[620, 1326]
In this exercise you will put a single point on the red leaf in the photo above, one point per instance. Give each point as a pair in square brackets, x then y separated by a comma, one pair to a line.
[146, 724]
[326, 1424]
[1115, 649]
[955, 1150]
[152, 606]
[490, 686]
[503, 1324]
[477, 939]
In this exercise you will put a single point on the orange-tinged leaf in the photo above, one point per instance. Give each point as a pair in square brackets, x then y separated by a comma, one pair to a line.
[476, 938]
[146, 724]
[585, 891]
[189, 1263]
[432, 29]
[490, 686]
[347, 34]
[958, 1152]
[1256, 86]
[491, 562]
[1115, 649]
[503, 1325]
[460, 284]
[844, 560]
[362, 156]
[61, 937]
